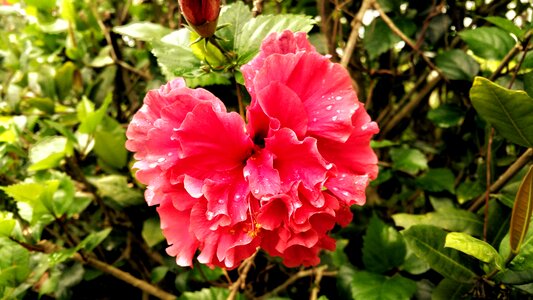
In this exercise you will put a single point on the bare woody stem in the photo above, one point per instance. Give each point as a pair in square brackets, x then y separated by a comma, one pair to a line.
[240, 283]
[48, 247]
[352, 40]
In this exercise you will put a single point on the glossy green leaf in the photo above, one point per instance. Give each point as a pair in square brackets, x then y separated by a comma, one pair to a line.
[248, 41]
[213, 293]
[64, 78]
[410, 161]
[379, 38]
[89, 118]
[14, 263]
[94, 239]
[448, 289]
[437, 180]
[450, 219]
[48, 152]
[474, 247]
[413, 264]
[488, 42]
[457, 65]
[7, 223]
[28, 196]
[234, 15]
[446, 115]
[366, 285]
[468, 190]
[116, 188]
[109, 140]
[151, 232]
[506, 25]
[522, 211]
[143, 31]
[427, 242]
[510, 112]
[528, 79]
[176, 44]
[158, 273]
[516, 277]
[383, 247]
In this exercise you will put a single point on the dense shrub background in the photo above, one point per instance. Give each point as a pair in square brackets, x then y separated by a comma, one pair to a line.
[73, 222]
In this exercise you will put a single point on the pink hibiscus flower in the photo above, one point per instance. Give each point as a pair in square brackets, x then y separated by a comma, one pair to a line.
[280, 182]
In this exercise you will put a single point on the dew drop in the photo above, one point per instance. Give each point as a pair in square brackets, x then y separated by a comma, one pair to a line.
[161, 159]
[210, 215]
[338, 98]
[174, 129]
[334, 118]
[256, 191]
[152, 165]
[314, 119]
[329, 107]
[220, 201]
[237, 196]
[169, 154]
[345, 193]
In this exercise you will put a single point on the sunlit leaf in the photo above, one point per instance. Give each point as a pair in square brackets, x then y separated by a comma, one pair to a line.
[143, 31]
[457, 65]
[474, 247]
[151, 232]
[488, 42]
[509, 111]
[383, 247]
[449, 219]
[427, 242]
[366, 285]
[410, 161]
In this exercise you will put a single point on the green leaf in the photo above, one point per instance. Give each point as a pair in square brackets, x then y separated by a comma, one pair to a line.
[151, 232]
[64, 78]
[14, 263]
[379, 38]
[344, 281]
[369, 286]
[48, 152]
[158, 273]
[437, 180]
[176, 44]
[383, 247]
[413, 264]
[449, 289]
[213, 293]
[427, 242]
[7, 223]
[235, 16]
[450, 219]
[202, 273]
[516, 277]
[469, 190]
[248, 41]
[479, 249]
[408, 160]
[89, 118]
[28, 196]
[446, 115]
[510, 112]
[528, 79]
[488, 42]
[109, 140]
[506, 25]
[457, 65]
[94, 239]
[522, 211]
[116, 188]
[143, 31]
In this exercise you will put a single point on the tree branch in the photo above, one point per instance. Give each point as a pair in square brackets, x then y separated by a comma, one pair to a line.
[352, 40]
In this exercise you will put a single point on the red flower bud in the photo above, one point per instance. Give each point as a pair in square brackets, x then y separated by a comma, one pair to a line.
[202, 15]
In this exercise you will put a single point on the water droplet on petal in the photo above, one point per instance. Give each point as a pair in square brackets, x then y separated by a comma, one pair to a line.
[220, 201]
[314, 119]
[152, 165]
[345, 193]
[338, 98]
[169, 154]
[334, 118]
[174, 129]
[209, 215]
[256, 191]
[329, 107]
[161, 159]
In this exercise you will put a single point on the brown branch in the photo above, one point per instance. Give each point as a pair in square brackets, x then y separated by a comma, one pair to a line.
[352, 39]
[316, 286]
[49, 247]
[525, 158]
[258, 7]
[240, 283]
[406, 39]
[488, 181]
[409, 107]
[293, 278]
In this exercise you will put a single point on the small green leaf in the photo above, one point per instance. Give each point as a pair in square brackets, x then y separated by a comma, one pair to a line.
[510, 112]
[89, 118]
[506, 25]
[522, 211]
[413, 264]
[14, 263]
[117, 189]
[248, 41]
[143, 31]
[479, 249]
[410, 161]
[213, 293]
[469, 190]
[48, 152]
[109, 140]
[437, 180]
[383, 247]
[151, 232]
[427, 242]
[446, 115]
[366, 285]
[449, 289]
[94, 239]
[7, 223]
[457, 65]
[379, 38]
[158, 273]
[450, 219]
[488, 42]
[64, 78]
[516, 277]
[235, 15]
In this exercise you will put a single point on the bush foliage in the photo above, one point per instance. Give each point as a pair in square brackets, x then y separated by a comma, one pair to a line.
[450, 84]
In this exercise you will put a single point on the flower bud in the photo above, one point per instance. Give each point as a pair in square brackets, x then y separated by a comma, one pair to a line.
[202, 15]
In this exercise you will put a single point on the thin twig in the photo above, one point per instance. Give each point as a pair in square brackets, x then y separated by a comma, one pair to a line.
[316, 286]
[258, 7]
[505, 177]
[240, 283]
[293, 278]
[48, 247]
[352, 39]
[489, 161]
[240, 103]
[406, 39]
